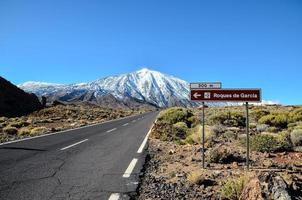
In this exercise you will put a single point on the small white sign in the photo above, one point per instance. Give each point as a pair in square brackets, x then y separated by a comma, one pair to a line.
[206, 85]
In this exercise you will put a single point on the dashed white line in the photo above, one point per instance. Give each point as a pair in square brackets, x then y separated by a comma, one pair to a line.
[126, 124]
[111, 130]
[114, 196]
[130, 168]
[73, 145]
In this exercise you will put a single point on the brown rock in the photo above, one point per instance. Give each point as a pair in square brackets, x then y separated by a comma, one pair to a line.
[252, 191]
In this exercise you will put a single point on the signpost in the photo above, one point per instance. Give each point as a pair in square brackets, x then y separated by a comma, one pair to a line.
[205, 85]
[224, 95]
[212, 92]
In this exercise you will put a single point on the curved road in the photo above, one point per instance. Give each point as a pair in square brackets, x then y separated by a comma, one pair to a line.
[97, 162]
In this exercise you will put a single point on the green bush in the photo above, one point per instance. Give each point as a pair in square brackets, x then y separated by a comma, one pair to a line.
[194, 135]
[218, 129]
[19, 124]
[193, 121]
[174, 115]
[264, 143]
[218, 155]
[231, 119]
[180, 130]
[38, 130]
[284, 141]
[233, 188]
[296, 137]
[296, 115]
[276, 120]
[257, 114]
[10, 130]
[230, 135]
[273, 129]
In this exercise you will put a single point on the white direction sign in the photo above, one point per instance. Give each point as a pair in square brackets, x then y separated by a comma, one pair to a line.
[206, 85]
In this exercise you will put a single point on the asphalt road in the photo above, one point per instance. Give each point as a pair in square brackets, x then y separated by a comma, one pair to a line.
[97, 162]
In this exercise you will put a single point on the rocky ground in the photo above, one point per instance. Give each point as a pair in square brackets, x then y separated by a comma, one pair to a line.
[58, 118]
[174, 170]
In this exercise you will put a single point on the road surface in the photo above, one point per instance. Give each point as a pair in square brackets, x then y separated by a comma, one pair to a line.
[96, 162]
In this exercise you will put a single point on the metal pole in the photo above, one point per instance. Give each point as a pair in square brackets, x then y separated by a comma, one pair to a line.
[247, 137]
[203, 135]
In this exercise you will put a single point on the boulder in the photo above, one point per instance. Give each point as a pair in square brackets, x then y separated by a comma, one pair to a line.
[252, 191]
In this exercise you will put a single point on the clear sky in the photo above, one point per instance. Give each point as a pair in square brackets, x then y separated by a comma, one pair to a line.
[252, 43]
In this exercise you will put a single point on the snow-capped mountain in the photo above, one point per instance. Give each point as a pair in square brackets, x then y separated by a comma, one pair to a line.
[144, 86]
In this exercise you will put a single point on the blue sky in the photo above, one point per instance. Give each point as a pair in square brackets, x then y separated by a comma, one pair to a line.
[252, 43]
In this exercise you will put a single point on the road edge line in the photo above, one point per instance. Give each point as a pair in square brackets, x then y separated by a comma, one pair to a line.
[130, 168]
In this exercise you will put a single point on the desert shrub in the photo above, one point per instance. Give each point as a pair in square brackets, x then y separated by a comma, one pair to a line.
[24, 132]
[253, 126]
[291, 126]
[174, 115]
[194, 135]
[233, 188]
[230, 135]
[264, 143]
[276, 120]
[284, 141]
[257, 114]
[196, 178]
[218, 129]
[3, 119]
[273, 129]
[19, 124]
[193, 121]
[37, 131]
[296, 115]
[296, 137]
[234, 119]
[262, 127]
[10, 130]
[180, 130]
[218, 155]
[3, 138]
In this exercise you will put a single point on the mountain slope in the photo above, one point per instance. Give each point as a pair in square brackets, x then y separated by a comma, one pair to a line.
[15, 102]
[144, 86]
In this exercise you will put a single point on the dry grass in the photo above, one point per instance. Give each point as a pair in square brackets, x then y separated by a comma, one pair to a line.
[196, 177]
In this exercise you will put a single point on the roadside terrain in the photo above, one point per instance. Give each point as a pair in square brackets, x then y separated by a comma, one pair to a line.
[58, 118]
[174, 167]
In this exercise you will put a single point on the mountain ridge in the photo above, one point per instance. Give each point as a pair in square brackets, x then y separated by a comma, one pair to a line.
[144, 86]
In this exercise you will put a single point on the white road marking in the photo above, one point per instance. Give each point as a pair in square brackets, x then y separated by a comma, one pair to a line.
[126, 124]
[111, 130]
[130, 168]
[114, 196]
[68, 130]
[73, 145]
[133, 120]
[141, 148]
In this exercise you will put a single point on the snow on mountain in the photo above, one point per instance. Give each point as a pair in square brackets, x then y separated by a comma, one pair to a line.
[144, 85]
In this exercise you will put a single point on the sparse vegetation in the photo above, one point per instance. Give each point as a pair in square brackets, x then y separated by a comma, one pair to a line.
[218, 155]
[275, 120]
[38, 131]
[56, 118]
[10, 130]
[296, 137]
[196, 177]
[264, 143]
[231, 119]
[275, 140]
[233, 188]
